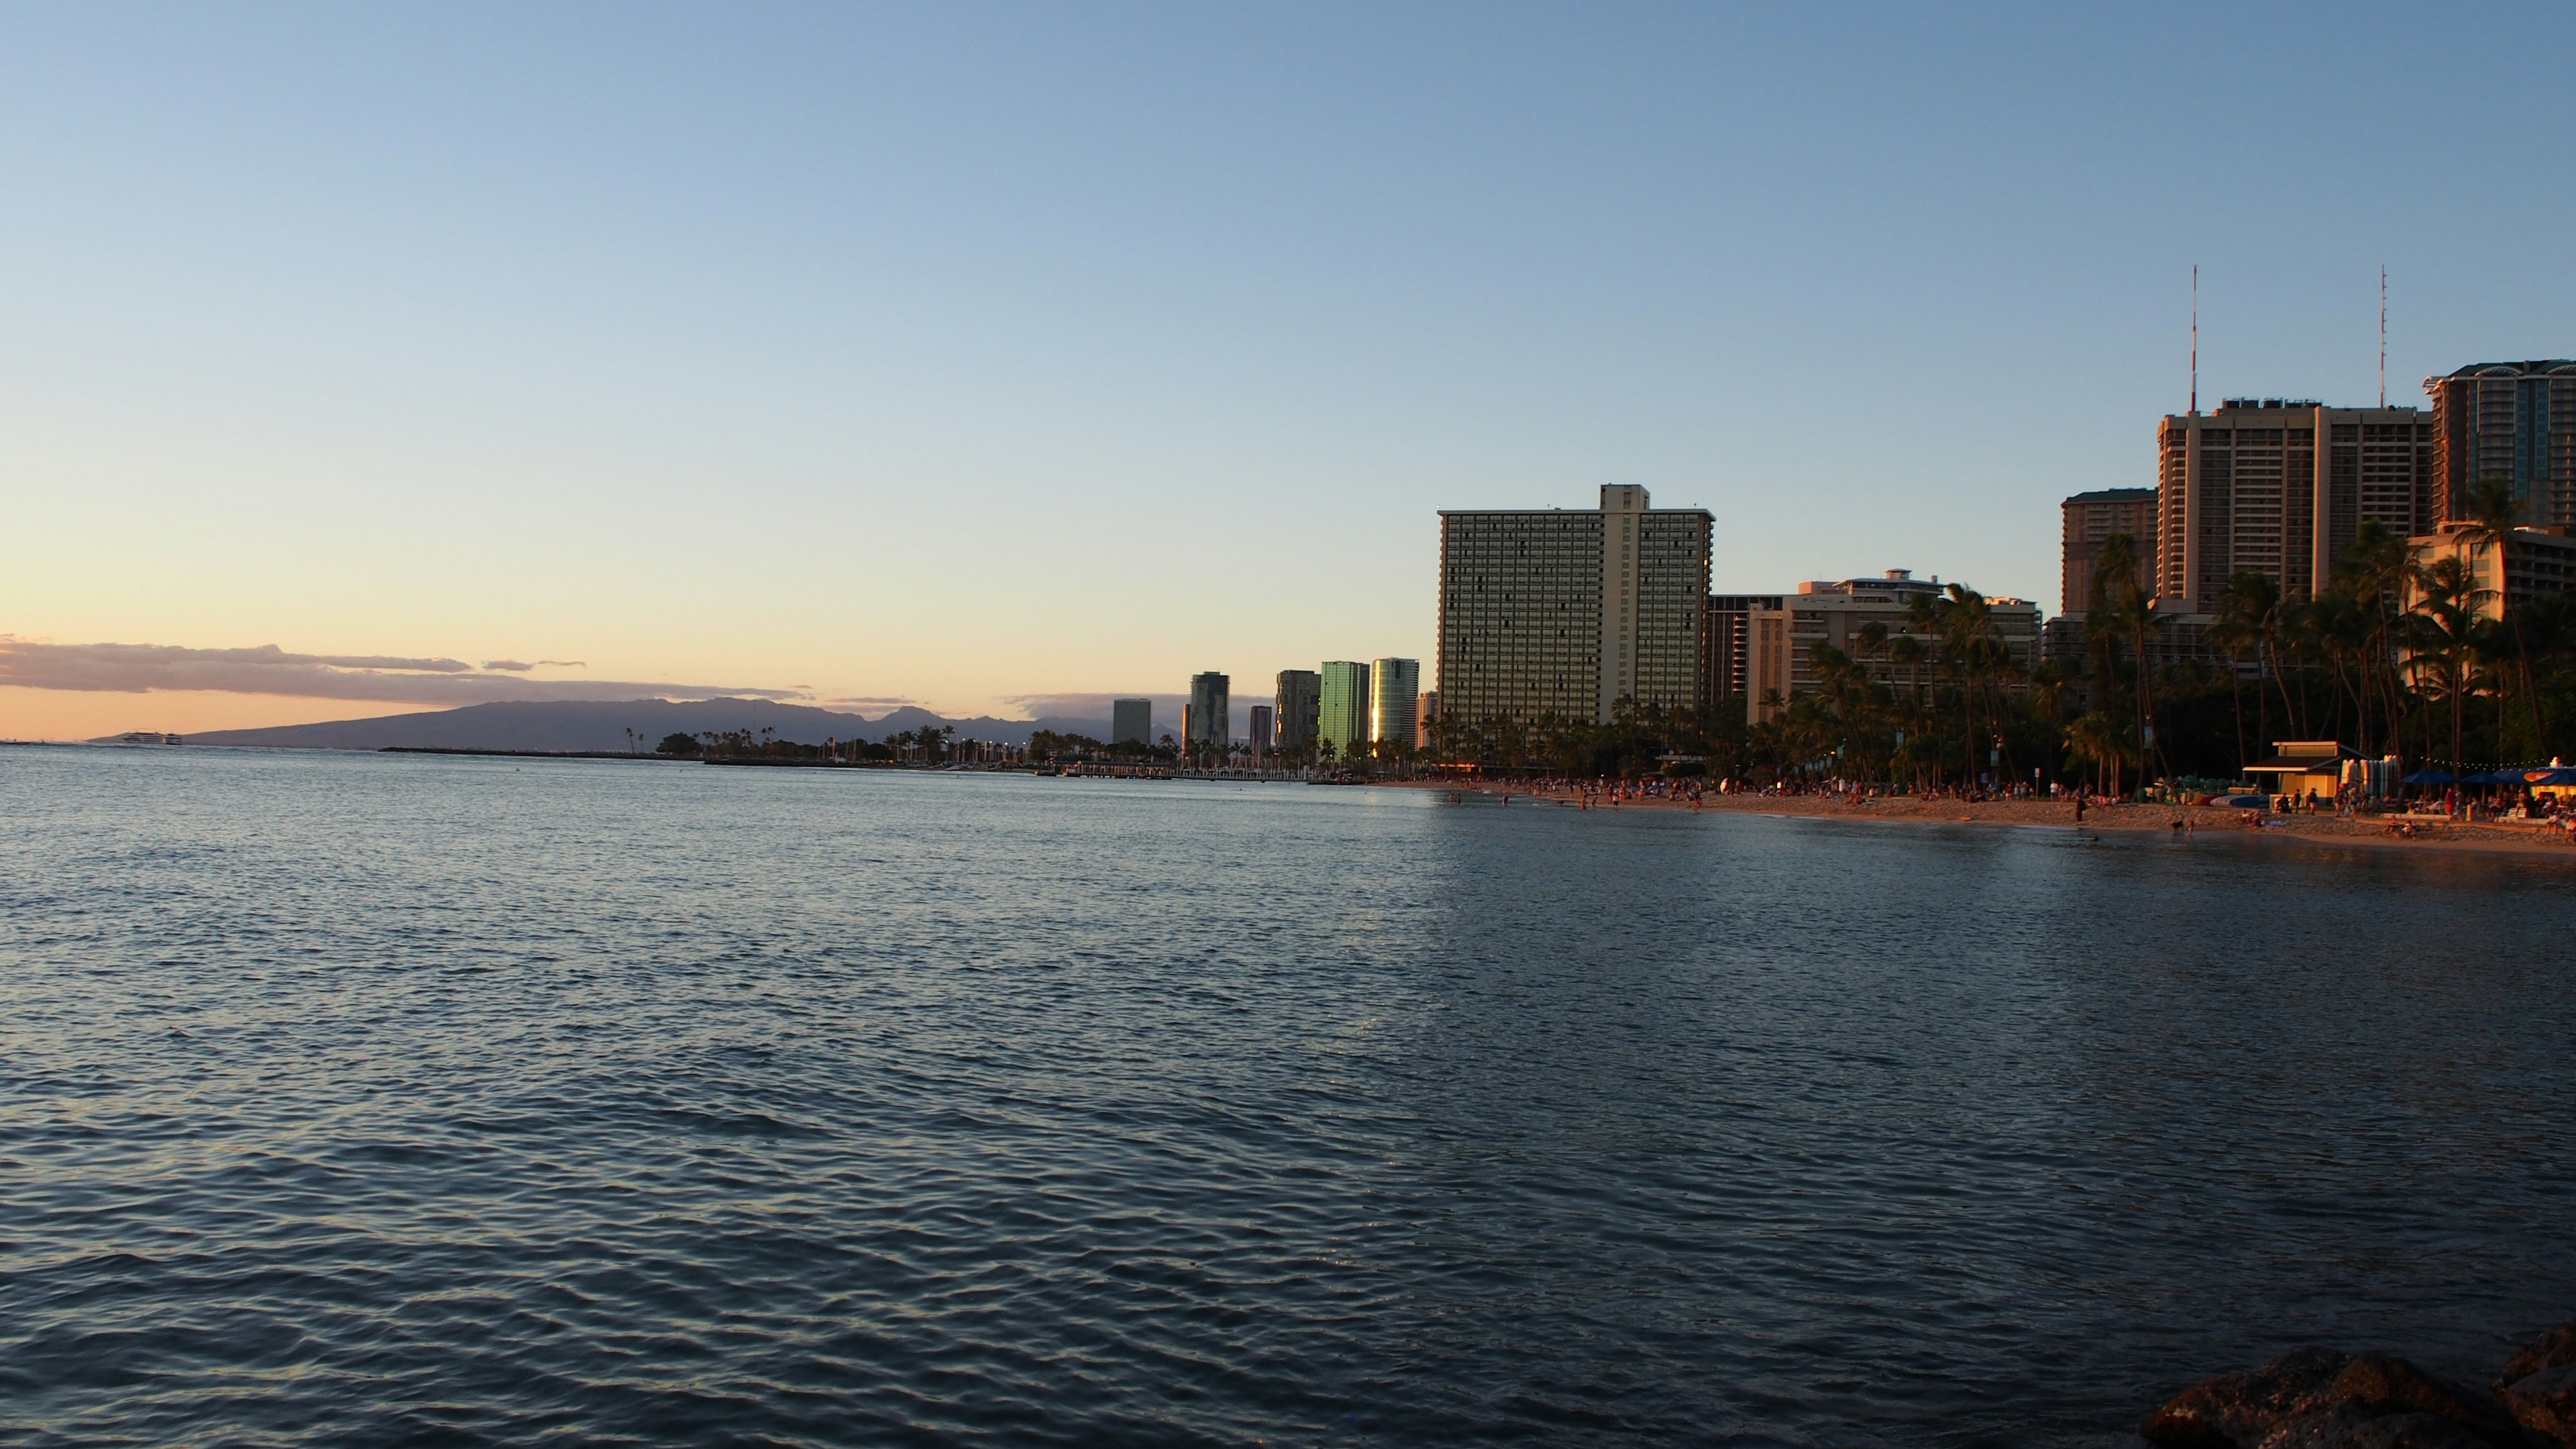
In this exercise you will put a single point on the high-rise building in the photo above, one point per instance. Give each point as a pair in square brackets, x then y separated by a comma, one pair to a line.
[1295, 700]
[2513, 421]
[1342, 707]
[1261, 740]
[1567, 612]
[2280, 488]
[1131, 720]
[1395, 688]
[1725, 639]
[1204, 724]
[1429, 722]
[2090, 518]
[1780, 665]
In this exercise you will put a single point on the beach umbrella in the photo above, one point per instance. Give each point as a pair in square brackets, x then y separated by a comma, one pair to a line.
[2430, 777]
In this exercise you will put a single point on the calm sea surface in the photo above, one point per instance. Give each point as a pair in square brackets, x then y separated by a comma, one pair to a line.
[379, 1100]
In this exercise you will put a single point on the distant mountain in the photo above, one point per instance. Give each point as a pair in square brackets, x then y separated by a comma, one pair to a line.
[582, 725]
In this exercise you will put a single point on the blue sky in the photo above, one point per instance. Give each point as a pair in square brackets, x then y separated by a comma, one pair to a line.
[965, 354]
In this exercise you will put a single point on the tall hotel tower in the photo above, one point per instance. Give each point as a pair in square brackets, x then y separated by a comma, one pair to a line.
[1551, 611]
[2513, 421]
[2279, 488]
[1296, 699]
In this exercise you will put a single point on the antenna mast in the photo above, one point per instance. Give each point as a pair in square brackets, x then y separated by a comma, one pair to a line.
[2195, 337]
[2383, 336]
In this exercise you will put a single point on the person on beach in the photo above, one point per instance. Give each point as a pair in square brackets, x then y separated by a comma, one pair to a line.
[2079, 807]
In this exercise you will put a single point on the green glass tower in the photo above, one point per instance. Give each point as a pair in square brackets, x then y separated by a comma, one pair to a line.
[1342, 708]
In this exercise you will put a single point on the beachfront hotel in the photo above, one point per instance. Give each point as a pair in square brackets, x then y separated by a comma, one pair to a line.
[1779, 666]
[2514, 421]
[1566, 612]
[2280, 489]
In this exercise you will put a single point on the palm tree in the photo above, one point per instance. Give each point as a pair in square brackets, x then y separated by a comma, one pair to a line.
[2127, 610]
[2488, 526]
[1967, 627]
[2095, 740]
[2443, 638]
[2377, 571]
[2250, 607]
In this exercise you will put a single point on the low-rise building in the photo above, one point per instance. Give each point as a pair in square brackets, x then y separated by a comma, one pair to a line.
[2529, 564]
[1780, 664]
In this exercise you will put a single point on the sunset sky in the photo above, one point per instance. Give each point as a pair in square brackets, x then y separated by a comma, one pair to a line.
[964, 355]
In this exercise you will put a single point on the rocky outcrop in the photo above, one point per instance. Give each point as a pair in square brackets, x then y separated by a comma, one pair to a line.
[2318, 1398]
[2538, 1386]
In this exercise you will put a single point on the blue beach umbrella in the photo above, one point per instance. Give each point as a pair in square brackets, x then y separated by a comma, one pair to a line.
[2430, 777]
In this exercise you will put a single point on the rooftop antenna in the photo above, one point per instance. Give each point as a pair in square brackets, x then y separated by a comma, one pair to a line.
[2195, 337]
[2383, 335]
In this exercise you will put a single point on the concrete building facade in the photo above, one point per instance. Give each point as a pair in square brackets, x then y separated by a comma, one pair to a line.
[1567, 612]
[2280, 489]
[2089, 518]
[1294, 700]
[1342, 707]
[2529, 564]
[1725, 643]
[2514, 421]
[1262, 742]
[1834, 611]
[1131, 720]
[1395, 689]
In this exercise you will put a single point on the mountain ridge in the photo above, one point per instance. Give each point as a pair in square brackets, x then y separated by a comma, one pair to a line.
[583, 725]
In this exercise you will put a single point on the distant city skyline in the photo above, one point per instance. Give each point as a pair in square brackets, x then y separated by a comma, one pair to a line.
[879, 357]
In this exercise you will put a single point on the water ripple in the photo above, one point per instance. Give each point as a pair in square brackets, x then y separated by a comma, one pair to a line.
[372, 1100]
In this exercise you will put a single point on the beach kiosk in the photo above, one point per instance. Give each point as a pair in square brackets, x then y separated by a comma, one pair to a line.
[2298, 767]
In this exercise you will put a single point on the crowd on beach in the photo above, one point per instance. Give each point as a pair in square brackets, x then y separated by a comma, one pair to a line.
[2532, 816]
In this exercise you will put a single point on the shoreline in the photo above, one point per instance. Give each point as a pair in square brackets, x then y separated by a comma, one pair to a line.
[2329, 830]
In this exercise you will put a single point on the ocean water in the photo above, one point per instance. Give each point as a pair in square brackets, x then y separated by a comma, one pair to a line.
[380, 1100]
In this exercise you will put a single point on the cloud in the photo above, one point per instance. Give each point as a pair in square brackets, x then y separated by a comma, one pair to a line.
[896, 700]
[267, 669]
[1091, 706]
[515, 666]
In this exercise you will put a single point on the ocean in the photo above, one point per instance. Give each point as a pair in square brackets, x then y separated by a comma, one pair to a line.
[388, 1100]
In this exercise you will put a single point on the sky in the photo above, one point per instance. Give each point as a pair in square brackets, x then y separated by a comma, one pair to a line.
[974, 356]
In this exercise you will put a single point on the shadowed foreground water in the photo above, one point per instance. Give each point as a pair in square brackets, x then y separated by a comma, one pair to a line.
[380, 1100]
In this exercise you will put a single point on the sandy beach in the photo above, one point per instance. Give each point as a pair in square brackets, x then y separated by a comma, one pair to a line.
[2323, 829]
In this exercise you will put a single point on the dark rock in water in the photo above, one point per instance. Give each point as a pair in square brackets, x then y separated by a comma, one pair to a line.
[2538, 1385]
[2355, 1426]
[2237, 1411]
[2392, 1385]
[2317, 1398]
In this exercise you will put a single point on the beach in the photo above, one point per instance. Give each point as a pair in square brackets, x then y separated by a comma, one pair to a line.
[2432, 833]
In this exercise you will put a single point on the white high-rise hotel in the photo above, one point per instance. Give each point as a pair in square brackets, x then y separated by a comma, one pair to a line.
[1566, 612]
